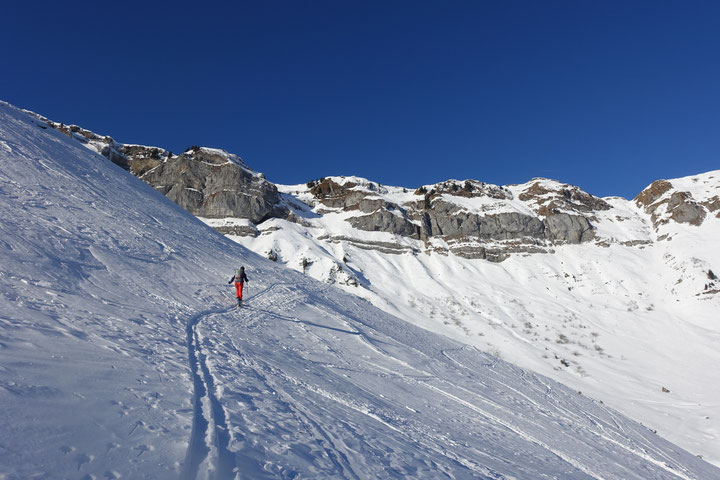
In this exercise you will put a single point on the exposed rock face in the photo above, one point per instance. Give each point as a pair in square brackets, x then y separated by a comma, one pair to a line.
[468, 189]
[239, 230]
[142, 159]
[560, 216]
[664, 204]
[473, 219]
[564, 228]
[333, 195]
[214, 184]
[565, 198]
[104, 145]
[652, 193]
[383, 220]
[713, 205]
[208, 183]
[448, 219]
[683, 209]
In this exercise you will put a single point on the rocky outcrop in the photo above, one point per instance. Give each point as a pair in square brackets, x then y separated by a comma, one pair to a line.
[448, 219]
[713, 205]
[213, 184]
[382, 247]
[555, 216]
[210, 183]
[466, 248]
[468, 189]
[206, 182]
[651, 194]
[665, 204]
[102, 144]
[238, 230]
[566, 228]
[383, 220]
[563, 198]
[684, 209]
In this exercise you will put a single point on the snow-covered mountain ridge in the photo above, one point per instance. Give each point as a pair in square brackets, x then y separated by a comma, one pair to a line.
[627, 311]
[628, 316]
[468, 218]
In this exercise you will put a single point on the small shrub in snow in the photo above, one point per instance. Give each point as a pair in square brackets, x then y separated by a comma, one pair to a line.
[495, 352]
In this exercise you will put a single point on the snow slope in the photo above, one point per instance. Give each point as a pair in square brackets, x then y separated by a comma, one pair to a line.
[121, 356]
[630, 319]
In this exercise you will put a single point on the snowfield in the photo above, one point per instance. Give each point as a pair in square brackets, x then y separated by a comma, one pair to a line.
[122, 356]
[630, 319]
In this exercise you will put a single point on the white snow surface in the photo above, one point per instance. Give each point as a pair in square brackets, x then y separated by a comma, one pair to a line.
[123, 356]
[627, 319]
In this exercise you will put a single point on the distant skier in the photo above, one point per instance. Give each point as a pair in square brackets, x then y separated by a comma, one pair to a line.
[239, 278]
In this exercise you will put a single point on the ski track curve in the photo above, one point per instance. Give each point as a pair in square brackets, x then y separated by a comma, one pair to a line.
[210, 436]
[224, 464]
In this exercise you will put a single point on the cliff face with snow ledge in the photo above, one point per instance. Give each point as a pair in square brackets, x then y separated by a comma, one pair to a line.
[615, 298]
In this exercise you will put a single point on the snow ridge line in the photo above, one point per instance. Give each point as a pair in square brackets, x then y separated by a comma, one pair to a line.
[203, 388]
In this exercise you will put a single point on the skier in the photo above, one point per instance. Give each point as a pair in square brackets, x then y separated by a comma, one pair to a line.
[239, 278]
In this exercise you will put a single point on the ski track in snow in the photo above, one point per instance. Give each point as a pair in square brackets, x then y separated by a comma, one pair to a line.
[114, 365]
[242, 455]
[209, 432]
[198, 449]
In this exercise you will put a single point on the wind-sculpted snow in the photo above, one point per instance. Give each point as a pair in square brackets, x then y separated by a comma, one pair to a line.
[122, 356]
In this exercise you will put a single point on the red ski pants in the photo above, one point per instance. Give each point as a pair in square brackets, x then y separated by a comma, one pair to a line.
[238, 289]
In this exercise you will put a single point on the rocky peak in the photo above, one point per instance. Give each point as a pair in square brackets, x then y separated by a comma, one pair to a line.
[334, 195]
[207, 182]
[686, 200]
[651, 194]
[466, 188]
[549, 197]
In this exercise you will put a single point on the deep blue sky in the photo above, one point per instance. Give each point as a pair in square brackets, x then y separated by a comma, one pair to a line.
[607, 95]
